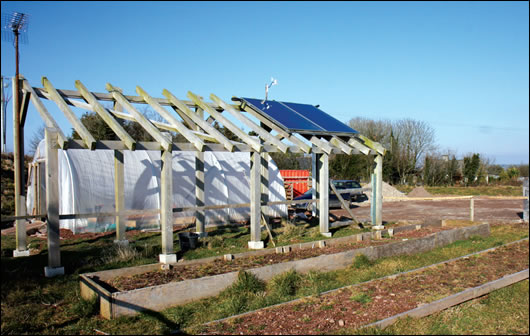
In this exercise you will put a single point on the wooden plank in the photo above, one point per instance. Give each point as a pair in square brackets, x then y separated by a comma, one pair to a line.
[139, 117]
[109, 120]
[45, 115]
[199, 121]
[198, 143]
[259, 130]
[226, 123]
[302, 145]
[358, 145]
[337, 142]
[83, 132]
[345, 205]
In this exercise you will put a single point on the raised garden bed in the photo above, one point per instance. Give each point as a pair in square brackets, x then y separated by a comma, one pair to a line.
[359, 305]
[115, 303]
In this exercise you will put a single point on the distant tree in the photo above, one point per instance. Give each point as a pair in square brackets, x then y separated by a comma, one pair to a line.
[286, 160]
[471, 168]
[523, 170]
[346, 167]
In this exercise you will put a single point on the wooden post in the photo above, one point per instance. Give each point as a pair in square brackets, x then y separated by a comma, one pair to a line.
[265, 185]
[52, 205]
[472, 209]
[377, 195]
[314, 181]
[18, 163]
[255, 200]
[166, 209]
[119, 197]
[200, 218]
[322, 187]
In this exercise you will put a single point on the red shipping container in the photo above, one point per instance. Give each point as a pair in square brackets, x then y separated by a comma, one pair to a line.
[296, 182]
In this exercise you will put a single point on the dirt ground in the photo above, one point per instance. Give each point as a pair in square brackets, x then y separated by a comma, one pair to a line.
[486, 209]
[376, 300]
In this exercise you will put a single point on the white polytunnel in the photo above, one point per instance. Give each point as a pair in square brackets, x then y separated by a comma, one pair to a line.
[86, 185]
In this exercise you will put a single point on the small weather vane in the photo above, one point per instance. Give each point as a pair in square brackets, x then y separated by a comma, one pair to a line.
[267, 87]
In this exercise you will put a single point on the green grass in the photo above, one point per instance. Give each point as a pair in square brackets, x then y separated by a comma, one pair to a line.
[501, 312]
[32, 304]
[467, 191]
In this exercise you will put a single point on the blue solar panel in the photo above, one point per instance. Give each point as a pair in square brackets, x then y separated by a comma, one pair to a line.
[302, 118]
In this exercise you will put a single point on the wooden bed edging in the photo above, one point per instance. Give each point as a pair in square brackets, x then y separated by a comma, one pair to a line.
[453, 300]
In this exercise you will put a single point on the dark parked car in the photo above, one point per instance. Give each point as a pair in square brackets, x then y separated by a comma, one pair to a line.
[349, 190]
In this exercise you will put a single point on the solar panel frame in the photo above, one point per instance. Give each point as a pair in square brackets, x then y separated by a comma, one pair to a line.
[299, 118]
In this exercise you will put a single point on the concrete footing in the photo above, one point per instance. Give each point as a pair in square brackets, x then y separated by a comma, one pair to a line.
[256, 245]
[202, 234]
[17, 253]
[51, 272]
[326, 234]
[123, 242]
[167, 258]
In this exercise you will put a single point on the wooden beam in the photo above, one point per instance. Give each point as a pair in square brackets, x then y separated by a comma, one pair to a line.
[337, 142]
[180, 106]
[255, 202]
[83, 132]
[345, 206]
[45, 115]
[24, 107]
[372, 144]
[105, 115]
[226, 123]
[319, 143]
[108, 97]
[266, 136]
[305, 147]
[198, 143]
[139, 117]
[119, 194]
[358, 145]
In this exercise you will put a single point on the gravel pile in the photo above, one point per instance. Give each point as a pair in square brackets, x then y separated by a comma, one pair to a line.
[419, 192]
[388, 191]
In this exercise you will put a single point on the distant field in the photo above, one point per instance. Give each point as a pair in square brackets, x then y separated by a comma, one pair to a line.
[469, 191]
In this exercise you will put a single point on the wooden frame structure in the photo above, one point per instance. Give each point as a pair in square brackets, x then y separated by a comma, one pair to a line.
[188, 119]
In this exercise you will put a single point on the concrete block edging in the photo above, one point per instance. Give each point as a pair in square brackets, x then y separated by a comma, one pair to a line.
[174, 293]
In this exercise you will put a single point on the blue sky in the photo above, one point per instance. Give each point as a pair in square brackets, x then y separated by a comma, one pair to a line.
[462, 67]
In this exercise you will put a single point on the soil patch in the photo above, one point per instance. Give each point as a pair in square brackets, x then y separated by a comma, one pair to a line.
[360, 305]
[221, 266]
[419, 192]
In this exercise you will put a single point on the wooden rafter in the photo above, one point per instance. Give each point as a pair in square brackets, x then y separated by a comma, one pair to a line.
[102, 111]
[139, 117]
[45, 115]
[89, 140]
[198, 143]
[225, 122]
[266, 136]
[180, 106]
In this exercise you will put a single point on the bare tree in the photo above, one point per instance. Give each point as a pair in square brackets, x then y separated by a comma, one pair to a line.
[412, 139]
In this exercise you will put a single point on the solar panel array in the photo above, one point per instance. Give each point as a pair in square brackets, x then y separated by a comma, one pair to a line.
[301, 118]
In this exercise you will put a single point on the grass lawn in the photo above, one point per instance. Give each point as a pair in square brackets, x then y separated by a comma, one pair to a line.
[32, 304]
[468, 191]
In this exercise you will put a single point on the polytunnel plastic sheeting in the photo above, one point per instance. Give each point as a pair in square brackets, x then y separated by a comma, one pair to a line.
[86, 185]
